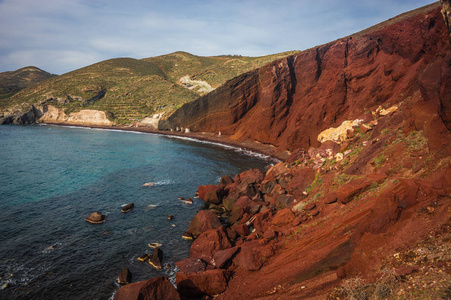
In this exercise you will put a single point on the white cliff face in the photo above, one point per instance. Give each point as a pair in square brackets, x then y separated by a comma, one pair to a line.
[199, 86]
[151, 121]
[83, 117]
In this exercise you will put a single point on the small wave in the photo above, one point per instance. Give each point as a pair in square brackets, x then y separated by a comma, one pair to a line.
[18, 274]
[157, 183]
[52, 247]
[163, 182]
[170, 270]
[235, 148]
[112, 296]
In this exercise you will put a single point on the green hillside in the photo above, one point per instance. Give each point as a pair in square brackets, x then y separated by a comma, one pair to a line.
[128, 89]
[215, 70]
[13, 81]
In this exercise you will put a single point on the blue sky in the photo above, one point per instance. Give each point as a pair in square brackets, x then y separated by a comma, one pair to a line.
[63, 35]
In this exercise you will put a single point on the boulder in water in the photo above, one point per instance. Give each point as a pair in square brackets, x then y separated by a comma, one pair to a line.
[96, 218]
[154, 245]
[127, 207]
[156, 258]
[143, 257]
[125, 276]
[187, 236]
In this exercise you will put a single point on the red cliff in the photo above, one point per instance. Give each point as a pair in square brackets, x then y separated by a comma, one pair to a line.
[290, 101]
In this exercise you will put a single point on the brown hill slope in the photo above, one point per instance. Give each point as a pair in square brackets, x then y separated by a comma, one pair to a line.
[287, 103]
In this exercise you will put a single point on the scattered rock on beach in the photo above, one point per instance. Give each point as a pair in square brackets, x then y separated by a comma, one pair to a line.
[96, 218]
[127, 207]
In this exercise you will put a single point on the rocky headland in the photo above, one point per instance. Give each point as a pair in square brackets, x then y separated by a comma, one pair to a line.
[360, 205]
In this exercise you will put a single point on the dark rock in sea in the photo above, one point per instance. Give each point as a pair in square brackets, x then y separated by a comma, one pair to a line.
[143, 257]
[127, 207]
[187, 236]
[154, 245]
[156, 258]
[188, 201]
[170, 217]
[152, 289]
[125, 276]
[96, 218]
[196, 284]
[204, 220]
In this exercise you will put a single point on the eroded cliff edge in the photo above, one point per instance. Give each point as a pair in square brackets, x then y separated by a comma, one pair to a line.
[290, 101]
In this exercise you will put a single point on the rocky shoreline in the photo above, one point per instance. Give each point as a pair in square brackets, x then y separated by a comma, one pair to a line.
[318, 218]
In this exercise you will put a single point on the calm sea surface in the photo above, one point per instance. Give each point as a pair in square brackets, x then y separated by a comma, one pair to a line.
[52, 178]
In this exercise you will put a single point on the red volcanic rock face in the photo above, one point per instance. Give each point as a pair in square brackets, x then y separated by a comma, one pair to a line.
[289, 102]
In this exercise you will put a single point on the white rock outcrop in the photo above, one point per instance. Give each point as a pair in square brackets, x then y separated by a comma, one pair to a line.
[338, 134]
[83, 117]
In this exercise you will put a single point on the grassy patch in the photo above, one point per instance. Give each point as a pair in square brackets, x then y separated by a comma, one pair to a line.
[379, 160]
[416, 141]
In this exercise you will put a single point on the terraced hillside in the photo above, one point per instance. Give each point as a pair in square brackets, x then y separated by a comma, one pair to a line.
[129, 89]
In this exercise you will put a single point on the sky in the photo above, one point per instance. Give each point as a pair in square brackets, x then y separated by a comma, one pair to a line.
[59, 36]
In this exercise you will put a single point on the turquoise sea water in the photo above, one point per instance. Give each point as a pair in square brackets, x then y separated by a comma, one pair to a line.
[52, 178]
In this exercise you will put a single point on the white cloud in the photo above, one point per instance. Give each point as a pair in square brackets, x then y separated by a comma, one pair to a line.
[63, 35]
